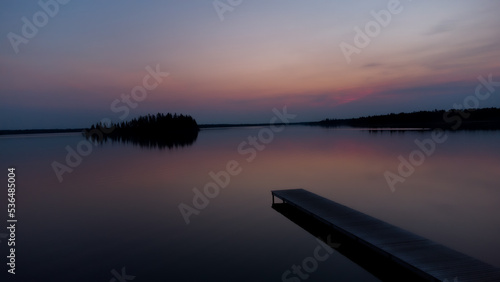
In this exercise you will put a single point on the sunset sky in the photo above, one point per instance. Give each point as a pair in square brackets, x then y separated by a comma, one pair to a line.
[236, 65]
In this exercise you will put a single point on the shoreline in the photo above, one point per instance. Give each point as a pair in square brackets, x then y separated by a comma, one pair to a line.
[493, 125]
[472, 119]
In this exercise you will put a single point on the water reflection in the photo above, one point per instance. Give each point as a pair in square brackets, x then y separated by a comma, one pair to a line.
[160, 142]
[381, 267]
[120, 206]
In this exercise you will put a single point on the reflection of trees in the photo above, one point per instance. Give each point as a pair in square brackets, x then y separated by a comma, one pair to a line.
[152, 131]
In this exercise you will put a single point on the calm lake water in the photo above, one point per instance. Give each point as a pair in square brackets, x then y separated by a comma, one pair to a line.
[120, 207]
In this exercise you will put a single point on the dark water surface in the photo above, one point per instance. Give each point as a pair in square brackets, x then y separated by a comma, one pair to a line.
[120, 207]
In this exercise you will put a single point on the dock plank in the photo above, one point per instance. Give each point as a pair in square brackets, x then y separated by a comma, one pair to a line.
[424, 257]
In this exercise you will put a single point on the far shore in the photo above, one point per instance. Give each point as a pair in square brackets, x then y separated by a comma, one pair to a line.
[471, 119]
[491, 126]
[39, 131]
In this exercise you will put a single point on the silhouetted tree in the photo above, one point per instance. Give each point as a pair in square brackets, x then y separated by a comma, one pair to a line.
[158, 130]
[486, 118]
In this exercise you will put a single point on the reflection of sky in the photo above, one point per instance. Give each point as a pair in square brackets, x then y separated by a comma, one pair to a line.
[121, 204]
[263, 55]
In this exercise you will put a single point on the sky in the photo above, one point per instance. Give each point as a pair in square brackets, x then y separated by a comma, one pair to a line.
[69, 64]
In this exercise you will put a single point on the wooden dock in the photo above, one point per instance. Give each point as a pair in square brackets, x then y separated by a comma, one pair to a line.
[425, 258]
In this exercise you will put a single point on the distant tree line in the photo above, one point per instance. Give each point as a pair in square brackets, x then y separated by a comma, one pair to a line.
[160, 130]
[486, 118]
